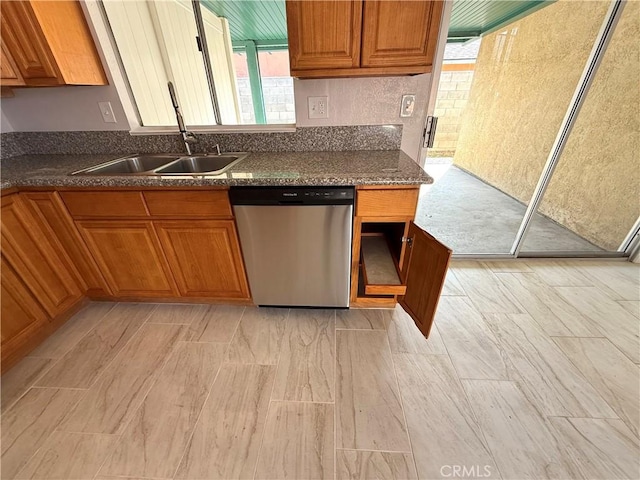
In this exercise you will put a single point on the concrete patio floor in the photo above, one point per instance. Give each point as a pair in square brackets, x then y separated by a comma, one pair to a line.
[471, 216]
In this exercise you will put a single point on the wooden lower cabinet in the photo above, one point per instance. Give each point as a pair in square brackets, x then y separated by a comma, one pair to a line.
[21, 312]
[57, 248]
[129, 256]
[49, 210]
[393, 259]
[204, 256]
[37, 258]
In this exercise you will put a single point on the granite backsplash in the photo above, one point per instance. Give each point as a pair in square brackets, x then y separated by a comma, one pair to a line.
[347, 138]
[11, 145]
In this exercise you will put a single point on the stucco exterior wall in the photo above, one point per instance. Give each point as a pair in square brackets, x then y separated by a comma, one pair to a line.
[525, 77]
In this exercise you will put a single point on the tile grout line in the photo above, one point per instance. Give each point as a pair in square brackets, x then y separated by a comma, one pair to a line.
[158, 374]
[598, 327]
[117, 355]
[88, 331]
[54, 363]
[404, 452]
[204, 404]
[404, 415]
[80, 397]
[266, 418]
[225, 360]
[57, 360]
[335, 394]
[468, 401]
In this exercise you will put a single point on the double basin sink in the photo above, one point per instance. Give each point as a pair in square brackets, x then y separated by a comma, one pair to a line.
[162, 164]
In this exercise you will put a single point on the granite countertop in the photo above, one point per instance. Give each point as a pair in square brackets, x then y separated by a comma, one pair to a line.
[389, 167]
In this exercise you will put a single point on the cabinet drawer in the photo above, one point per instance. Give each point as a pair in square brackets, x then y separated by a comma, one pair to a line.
[105, 204]
[189, 203]
[380, 269]
[390, 202]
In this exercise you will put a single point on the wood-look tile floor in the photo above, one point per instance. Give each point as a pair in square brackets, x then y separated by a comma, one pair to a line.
[531, 371]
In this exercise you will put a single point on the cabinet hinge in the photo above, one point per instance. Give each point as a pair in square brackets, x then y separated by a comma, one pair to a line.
[408, 240]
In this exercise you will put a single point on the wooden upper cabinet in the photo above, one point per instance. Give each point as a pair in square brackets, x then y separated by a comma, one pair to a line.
[400, 33]
[129, 256]
[204, 256]
[37, 258]
[324, 34]
[349, 38]
[9, 73]
[51, 43]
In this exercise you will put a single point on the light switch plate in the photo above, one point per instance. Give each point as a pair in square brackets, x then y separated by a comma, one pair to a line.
[107, 112]
[318, 107]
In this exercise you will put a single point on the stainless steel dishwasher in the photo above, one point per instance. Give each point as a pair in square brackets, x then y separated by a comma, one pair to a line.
[296, 243]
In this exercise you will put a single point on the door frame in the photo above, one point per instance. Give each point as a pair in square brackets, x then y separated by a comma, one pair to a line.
[436, 70]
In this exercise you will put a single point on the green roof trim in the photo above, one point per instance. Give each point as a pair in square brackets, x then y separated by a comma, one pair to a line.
[474, 18]
[261, 21]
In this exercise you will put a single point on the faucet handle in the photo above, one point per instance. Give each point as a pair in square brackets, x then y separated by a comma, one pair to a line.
[218, 149]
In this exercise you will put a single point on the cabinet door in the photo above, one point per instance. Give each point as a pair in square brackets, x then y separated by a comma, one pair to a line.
[21, 312]
[37, 259]
[324, 34]
[23, 37]
[9, 73]
[204, 256]
[50, 211]
[425, 268]
[400, 33]
[129, 256]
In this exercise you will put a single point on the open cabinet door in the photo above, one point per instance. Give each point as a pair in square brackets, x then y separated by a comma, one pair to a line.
[425, 268]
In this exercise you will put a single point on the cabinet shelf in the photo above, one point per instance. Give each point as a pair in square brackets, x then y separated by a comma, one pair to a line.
[379, 267]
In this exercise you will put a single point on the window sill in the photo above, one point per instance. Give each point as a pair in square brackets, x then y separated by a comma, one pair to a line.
[278, 128]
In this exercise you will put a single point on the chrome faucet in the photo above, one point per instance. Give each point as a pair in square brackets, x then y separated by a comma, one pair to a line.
[187, 137]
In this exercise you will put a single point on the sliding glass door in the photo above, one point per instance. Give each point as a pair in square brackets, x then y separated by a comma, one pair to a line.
[595, 189]
[501, 103]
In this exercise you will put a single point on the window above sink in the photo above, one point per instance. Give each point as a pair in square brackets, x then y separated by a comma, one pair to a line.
[227, 72]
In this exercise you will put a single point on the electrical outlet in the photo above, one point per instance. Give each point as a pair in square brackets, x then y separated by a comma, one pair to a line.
[107, 112]
[318, 107]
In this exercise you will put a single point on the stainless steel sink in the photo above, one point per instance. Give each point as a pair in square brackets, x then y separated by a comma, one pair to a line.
[211, 164]
[129, 165]
[166, 164]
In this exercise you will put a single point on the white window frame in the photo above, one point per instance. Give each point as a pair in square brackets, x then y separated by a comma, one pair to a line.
[94, 12]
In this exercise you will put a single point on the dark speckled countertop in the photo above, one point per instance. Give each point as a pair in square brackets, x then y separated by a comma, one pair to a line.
[390, 167]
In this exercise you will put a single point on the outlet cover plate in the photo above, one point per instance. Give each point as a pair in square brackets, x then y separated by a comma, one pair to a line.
[318, 107]
[408, 103]
[107, 112]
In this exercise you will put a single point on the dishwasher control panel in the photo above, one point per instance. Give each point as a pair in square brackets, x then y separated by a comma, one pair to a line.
[291, 195]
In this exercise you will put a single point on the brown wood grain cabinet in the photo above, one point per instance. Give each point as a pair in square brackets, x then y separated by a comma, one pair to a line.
[52, 214]
[205, 258]
[9, 73]
[21, 313]
[129, 257]
[393, 259]
[40, 288]
[50, 43]
[182, 245]
[37, 258]
[348, 38]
